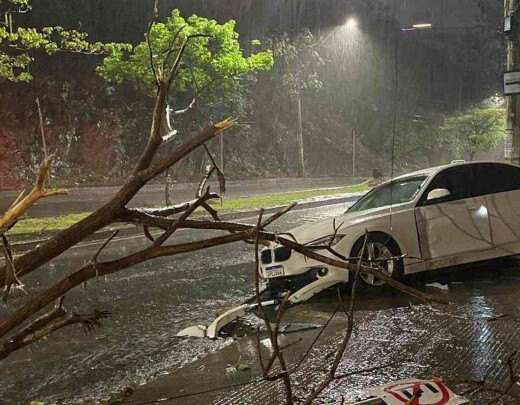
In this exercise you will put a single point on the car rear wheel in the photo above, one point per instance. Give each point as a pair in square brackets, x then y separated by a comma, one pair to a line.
[381, 251]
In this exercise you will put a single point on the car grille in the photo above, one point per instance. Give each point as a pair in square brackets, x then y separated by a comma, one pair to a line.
[282, 254]
[266, 256]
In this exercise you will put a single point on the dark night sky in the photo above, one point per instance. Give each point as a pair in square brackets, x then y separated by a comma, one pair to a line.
[443, 13]
[120, 20]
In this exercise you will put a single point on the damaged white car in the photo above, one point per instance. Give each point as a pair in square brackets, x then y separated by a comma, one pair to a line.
[438, 217]
[434, 218]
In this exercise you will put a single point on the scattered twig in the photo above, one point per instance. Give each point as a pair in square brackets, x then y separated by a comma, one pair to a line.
[497, 317]
[101, 248]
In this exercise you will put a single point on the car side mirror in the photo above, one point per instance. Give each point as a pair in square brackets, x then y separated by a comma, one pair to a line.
[438, 193]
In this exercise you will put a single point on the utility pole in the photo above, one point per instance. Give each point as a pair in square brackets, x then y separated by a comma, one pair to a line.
[221, 145]
[512, 149]
[353, 152]
[301, 156]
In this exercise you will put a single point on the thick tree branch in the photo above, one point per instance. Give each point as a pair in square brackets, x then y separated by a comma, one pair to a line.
[92, 270]
[54, 320]
[22, 204]
[108, 213]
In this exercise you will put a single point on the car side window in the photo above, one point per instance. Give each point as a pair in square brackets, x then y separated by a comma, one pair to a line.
[456, 179]
[491, 178]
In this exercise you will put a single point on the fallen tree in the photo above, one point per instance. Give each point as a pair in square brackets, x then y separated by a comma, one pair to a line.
[146, 169]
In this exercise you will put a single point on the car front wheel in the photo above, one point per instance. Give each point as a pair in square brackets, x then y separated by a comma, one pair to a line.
[381, 251]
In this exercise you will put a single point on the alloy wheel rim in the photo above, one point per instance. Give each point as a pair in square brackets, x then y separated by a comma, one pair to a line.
[378, 255]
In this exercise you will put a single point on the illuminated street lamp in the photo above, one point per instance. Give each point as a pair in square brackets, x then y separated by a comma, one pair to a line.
[351, 23]
[419, 26]
[422, 26]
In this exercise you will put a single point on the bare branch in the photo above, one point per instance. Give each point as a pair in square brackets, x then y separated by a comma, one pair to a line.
[105, 215]
[38, 192]
[54, 320]
[102, 269]
[11, 275]
[170, 231]
[331, 375]
[104, 245]
[42, 131]
[204, 181]
[220, 173]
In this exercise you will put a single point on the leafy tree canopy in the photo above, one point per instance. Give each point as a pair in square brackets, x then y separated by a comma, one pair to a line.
[476, 130]
[298, 62]
[212, 60]
[18, 44]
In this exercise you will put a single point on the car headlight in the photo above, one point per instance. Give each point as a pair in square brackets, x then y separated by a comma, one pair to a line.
[329, 240]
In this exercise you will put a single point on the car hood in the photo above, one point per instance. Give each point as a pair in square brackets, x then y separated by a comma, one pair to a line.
[314, 230]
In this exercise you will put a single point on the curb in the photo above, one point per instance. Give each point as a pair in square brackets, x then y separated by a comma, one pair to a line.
[128, 230]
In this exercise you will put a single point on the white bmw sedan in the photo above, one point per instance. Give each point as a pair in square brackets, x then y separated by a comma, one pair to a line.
[439, 217]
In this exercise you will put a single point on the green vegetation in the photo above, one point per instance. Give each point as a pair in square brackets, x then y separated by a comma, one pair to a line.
[275, 200]
[17, 44]
[476, 130]
[37, 226]
[41, 225]
[212, 79]
[212, 60]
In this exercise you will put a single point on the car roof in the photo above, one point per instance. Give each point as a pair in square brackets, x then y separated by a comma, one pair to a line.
[436, 169]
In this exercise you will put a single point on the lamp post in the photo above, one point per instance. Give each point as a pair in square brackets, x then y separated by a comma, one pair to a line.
[419, 26]
[351, 25]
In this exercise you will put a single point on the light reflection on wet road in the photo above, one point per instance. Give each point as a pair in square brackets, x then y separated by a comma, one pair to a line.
[150, 304]
[154, 301]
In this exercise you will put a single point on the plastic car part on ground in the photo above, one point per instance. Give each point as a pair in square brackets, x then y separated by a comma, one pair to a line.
[413, 392]
[212, 330]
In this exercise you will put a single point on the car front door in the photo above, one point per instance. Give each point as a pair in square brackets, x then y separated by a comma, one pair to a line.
[452, 224]
[499, 185]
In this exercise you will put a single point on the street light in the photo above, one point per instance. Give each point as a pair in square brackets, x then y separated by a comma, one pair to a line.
[351, 23]
[422, 26]
[419, 26]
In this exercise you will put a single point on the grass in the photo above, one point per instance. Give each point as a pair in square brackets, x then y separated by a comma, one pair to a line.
[35, 226]
[41, 225]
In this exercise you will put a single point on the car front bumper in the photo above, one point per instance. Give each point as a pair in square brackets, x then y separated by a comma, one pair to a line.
[285, 271]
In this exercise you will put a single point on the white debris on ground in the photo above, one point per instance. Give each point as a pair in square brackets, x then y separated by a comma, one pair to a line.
[439, 286]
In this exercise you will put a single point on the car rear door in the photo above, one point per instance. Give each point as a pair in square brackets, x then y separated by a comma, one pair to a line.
[499, 185]
[456, 224]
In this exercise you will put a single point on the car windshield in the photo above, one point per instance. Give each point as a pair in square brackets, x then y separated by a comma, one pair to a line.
[396, 192]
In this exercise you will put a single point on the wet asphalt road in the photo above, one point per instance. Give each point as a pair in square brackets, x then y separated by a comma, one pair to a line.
[457, 342]
[137, 347]
[150, 304]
